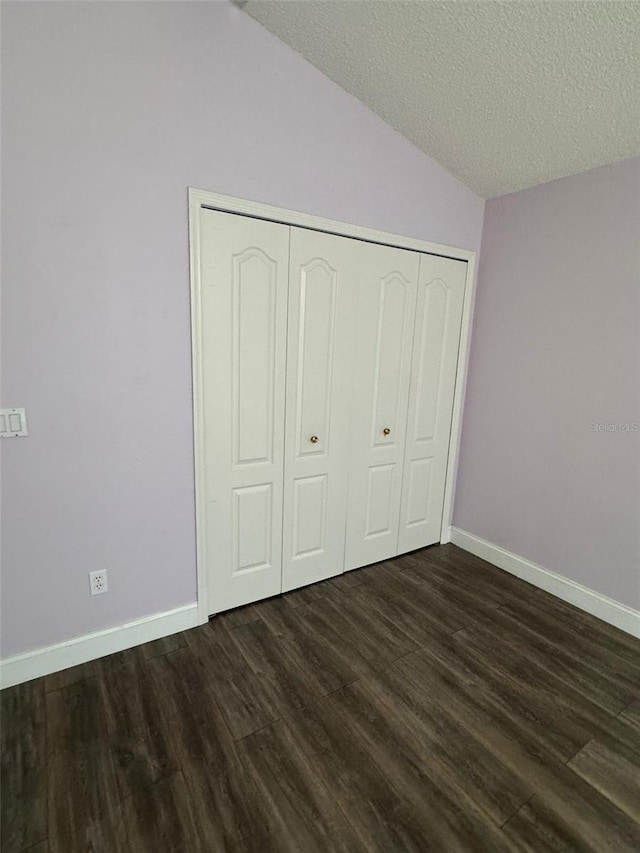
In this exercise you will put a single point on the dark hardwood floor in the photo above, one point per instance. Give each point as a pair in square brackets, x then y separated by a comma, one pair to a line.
[429, 703]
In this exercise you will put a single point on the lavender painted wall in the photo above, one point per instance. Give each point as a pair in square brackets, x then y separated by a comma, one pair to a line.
[555, 348]
[110, 110]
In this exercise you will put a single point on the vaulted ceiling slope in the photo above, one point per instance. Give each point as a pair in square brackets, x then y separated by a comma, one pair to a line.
[505, 95]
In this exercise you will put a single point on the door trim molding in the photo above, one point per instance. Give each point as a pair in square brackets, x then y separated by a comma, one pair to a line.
[611, 611]
[202, 199]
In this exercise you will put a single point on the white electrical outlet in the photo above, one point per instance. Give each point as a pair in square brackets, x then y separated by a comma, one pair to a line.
[13, 422]
[98, 582]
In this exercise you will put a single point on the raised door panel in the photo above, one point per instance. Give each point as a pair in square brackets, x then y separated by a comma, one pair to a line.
[309, 516]
[254, 284]
[380, 489]
[418, 474]
[394, 295]
[316, 346]
[244, 276]
[319, 378]
[436, 344]
[387, 280]
[253, 528]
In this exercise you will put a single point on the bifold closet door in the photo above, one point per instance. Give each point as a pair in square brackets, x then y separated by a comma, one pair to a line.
[322, 286]
[433, 375]
[243, 286]
[383, 329]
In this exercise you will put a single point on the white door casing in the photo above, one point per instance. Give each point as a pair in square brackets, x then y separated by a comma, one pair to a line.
[387, 281]
[319, 378]
[243, 286]
[433, 375]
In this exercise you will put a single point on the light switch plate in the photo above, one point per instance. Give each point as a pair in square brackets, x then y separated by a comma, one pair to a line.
[13, 422]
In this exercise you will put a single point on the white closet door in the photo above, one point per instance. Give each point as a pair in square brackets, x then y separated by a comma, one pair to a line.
[384, 328]
[319, 380]
[244, 315]
[433, 373]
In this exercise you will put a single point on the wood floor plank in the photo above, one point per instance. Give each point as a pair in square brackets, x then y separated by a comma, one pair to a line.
[514, 706]
[202, 746]
[488, 638]
[278, 666]
[239, 615]
[422, 604]
[612, 770]
[71, 675]
[84, 806]
[567, 796]
[448, 573]
[425, 703]
[23, 776]
[407, 615]
[443, 744]
[320, 622]
[341, 585]
[386, 579]
[594, 683]
[620, 670]
[472, 601]
[303, 595]
[360, 628]
[473, 569]
[541, 826]
[162, 646]
[386, 641]
[461, 603]
[296, 805]
[487, 580]
[166, 817]
[451, 821]
[380, 819]
[312, 653]
[631, 714]
[547, 690]
[132, 723]
[239, 693]
[606, 636]
[473, 572]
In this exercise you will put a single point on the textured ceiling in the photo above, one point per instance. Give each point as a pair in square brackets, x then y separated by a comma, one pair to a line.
[505, 95]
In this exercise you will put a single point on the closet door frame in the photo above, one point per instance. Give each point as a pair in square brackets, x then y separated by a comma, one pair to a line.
[202, 199]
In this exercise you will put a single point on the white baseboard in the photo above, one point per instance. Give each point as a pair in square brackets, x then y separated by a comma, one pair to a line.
[623, 617]
[33, 664]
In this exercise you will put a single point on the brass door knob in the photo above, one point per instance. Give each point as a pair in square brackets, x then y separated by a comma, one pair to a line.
[386, 431]
[314, 439]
